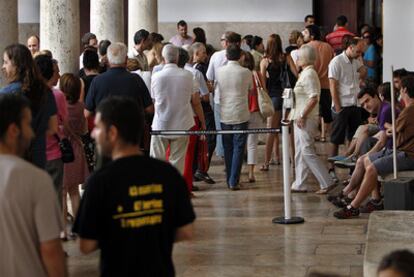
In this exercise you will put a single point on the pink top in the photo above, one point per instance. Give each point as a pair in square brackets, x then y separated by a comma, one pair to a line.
[52, 146]
[179, 41]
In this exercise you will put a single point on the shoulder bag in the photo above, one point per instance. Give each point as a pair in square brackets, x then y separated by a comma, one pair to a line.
[265, 102]
[66, 149]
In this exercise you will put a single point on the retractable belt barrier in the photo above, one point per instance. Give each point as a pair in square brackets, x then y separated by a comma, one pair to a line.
[287, 218]
[214, 132]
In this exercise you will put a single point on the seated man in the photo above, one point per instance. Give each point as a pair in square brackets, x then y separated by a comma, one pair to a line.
[381, 163]
[135, 207]
[370, 137]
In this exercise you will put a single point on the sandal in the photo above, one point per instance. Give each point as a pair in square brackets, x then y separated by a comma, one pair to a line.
[265, 167]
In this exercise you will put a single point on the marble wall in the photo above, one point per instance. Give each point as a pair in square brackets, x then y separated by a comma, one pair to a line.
[26, 30]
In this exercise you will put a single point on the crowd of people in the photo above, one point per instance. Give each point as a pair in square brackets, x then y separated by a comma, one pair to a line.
[94, 129]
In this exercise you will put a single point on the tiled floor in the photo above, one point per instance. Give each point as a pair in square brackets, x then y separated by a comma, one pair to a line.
[235, 236]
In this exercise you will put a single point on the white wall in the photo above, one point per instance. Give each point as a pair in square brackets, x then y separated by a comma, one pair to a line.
[398, 39]
[233, 10]
[29, 11]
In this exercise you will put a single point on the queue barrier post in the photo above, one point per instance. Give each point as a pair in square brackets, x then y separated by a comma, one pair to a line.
[287, 218]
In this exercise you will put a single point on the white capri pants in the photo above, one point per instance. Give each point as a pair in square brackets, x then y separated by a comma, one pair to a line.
[256, 121]
[306, 159]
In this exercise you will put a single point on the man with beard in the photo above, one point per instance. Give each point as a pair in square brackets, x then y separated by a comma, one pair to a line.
[29, 211]
[135, 207]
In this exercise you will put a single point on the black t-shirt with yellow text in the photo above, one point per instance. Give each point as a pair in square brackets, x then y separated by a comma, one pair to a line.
[132, 207]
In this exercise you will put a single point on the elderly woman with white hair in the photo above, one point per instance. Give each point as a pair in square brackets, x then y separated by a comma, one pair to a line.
[305, 122]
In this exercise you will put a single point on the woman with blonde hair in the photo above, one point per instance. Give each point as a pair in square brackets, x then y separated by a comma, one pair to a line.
[275, 69]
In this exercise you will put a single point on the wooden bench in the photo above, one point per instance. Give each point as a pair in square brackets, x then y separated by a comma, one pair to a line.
[387, 231]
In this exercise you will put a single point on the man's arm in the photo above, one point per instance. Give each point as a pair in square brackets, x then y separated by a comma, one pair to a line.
[333, 85]
[382, 140]
[87, 113]
[198, 110]
[53, 258]
[149, 109]
[184, 233]
[87, 246]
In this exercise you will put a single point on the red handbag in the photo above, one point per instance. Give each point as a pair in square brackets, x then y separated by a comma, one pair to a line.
[203, 155]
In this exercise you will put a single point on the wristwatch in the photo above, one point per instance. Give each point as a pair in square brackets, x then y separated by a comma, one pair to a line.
[301, 115]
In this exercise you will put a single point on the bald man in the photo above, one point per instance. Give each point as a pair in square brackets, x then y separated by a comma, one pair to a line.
[33, 44]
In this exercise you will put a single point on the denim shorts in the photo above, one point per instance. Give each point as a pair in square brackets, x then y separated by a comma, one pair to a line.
[383, 161]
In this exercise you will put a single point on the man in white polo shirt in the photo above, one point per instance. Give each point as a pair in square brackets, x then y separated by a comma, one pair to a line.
[217, 60]
[234, 83]
[345, 73]
[174, 97]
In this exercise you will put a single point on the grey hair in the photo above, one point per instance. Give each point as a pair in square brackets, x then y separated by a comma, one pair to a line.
[170, 53]
[117, 53]
[189, 50]
[307, 54]
[197, 46]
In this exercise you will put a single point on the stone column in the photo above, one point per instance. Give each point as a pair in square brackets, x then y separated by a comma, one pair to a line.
[142, 14]
[59, 32]
[8, 26]
[107, 19]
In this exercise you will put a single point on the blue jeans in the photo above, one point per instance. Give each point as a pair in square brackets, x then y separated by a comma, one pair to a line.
[233, 152]
[219, 144]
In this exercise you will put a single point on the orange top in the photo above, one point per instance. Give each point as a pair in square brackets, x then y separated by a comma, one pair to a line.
[324, 55]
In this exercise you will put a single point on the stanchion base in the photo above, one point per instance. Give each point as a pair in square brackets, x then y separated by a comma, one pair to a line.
[292, 220]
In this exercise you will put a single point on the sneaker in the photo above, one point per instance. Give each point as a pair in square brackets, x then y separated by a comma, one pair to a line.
[235, 187]
[346, 163]
[203, 177]
[196, 178]
[333, 175]
[371, 206]
[336, 158]
[346, 213]
[341, 202]
[208, 179]
[335, 196]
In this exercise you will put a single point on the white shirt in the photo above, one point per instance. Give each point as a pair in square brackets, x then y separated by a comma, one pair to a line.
[346, 73]
[198, 79]
[307, 86]
[171, 89]
[157, 68]
[217, 60]
[234, 82]
[141, 58]
[295, 56]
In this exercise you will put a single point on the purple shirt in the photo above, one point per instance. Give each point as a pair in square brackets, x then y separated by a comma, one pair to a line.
[384, 116]
[178, 41]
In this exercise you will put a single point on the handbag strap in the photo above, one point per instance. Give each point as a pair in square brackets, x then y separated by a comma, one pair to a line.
[257, 80]
[287, 79]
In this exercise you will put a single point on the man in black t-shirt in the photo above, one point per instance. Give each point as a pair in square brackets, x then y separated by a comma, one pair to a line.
[135, 207]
